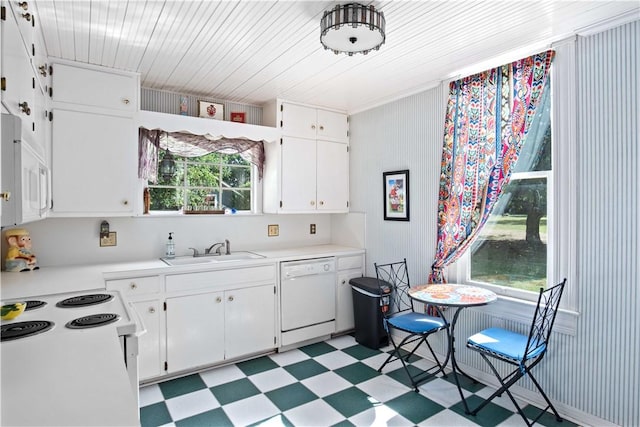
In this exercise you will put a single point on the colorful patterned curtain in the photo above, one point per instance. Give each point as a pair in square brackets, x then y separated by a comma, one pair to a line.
[488, 116]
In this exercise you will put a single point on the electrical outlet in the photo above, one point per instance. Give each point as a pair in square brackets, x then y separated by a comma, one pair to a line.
[273, 230]
[312, 229]
[109, 241]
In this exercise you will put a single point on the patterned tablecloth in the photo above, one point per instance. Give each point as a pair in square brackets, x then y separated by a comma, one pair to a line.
[452, 295]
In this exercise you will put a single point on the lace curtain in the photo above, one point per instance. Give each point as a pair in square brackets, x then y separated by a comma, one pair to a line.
[185, 144]
[486, 123]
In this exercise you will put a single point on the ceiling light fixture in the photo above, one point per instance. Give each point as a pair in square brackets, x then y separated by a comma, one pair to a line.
[352, 28]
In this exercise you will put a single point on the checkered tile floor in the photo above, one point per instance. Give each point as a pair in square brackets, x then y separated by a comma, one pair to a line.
[329, 383]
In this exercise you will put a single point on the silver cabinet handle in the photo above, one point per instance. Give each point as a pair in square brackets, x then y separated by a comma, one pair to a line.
[125, 202]
[321, 127]
[24, 106]
[313, 203]
[313, 127]
[133, 286]
[321, 203]
[230, 297]
[152, 310]
[125, 101]
[218, 299]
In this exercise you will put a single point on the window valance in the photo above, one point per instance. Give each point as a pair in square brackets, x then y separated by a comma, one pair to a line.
[186, 144]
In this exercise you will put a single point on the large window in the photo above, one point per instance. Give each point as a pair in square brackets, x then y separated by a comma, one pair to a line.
[214, 181]
[512, 250]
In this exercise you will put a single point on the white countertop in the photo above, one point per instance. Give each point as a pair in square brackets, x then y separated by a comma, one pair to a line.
[79, 380]
[77, 278]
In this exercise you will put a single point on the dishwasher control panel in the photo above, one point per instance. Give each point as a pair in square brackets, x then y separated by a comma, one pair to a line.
[308, 267]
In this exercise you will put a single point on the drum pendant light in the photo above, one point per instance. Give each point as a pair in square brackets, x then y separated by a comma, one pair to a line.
[352, 28]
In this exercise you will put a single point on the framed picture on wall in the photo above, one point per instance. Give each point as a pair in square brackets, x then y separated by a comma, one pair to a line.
[210, 110]
[396, 195]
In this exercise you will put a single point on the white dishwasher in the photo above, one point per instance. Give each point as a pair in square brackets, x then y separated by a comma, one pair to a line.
[307, 299]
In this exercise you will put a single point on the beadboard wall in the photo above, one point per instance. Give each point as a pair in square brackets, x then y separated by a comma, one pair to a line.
[593, 375]
[169, 102]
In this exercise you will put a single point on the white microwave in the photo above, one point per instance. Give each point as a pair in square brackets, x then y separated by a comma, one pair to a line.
[25, 177]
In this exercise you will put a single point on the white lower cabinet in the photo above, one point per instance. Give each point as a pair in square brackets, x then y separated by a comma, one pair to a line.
[203, 318]
[195, 331]
[204, 329]
[144, 293]
[150, 360]
[250, 320]
[349, 267]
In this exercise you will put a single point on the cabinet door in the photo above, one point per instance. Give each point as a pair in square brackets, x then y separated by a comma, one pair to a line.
[19, 79]
[195, 331]
[150, 344]
[298, 174]
[95, 88]
[94, 162]
[250, 316]
[332, 176]
[344, 300]
[298, 120]
[332, 126]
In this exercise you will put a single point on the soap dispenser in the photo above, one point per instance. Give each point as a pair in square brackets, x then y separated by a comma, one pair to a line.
[171, 247]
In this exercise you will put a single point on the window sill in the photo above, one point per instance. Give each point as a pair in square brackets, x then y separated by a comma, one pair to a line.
[522, 311]
[175, 214]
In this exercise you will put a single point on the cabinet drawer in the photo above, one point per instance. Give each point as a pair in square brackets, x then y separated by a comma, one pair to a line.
[348, 262]
[220, 279]
[135, 286]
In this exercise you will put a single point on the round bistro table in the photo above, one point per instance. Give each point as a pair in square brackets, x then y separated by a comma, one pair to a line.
[459, 297]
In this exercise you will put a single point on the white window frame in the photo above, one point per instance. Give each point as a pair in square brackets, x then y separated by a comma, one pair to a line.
[561, 206]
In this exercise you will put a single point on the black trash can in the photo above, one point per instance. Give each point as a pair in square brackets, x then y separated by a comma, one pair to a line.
[367, 312]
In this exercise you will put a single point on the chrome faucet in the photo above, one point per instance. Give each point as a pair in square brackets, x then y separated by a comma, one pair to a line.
[215, 246]
[195, 252]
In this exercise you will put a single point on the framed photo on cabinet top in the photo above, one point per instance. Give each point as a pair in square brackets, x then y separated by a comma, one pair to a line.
[237, 117]
[396, 195]
[210, 110]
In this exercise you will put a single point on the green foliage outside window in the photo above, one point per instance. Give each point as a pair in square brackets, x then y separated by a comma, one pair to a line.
[211, 182]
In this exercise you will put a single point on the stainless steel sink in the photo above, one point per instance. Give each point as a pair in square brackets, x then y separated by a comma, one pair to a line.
[191, 260]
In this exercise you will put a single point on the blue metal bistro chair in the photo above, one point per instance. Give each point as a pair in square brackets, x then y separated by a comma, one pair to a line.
[522, 351]
[399, 314]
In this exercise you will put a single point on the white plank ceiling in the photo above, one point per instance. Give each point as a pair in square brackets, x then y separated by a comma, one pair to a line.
[255, 51]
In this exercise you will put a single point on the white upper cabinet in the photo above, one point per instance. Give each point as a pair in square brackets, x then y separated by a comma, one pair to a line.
[95, 142]
[18, 80]
[94, 164]
[310, 122]
[104, 90]
[308, 170]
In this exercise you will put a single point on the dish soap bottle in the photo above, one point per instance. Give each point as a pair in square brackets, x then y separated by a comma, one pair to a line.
[171, 247]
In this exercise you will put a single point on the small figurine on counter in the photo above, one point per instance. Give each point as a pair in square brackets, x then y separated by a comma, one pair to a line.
[19, 256]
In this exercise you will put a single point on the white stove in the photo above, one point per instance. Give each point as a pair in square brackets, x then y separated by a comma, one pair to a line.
[78, 317]
[78, 312]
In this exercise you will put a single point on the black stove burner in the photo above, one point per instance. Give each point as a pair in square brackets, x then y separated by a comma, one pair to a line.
[84, 300]
[92, 321]
[34, 304]
[13, 331]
